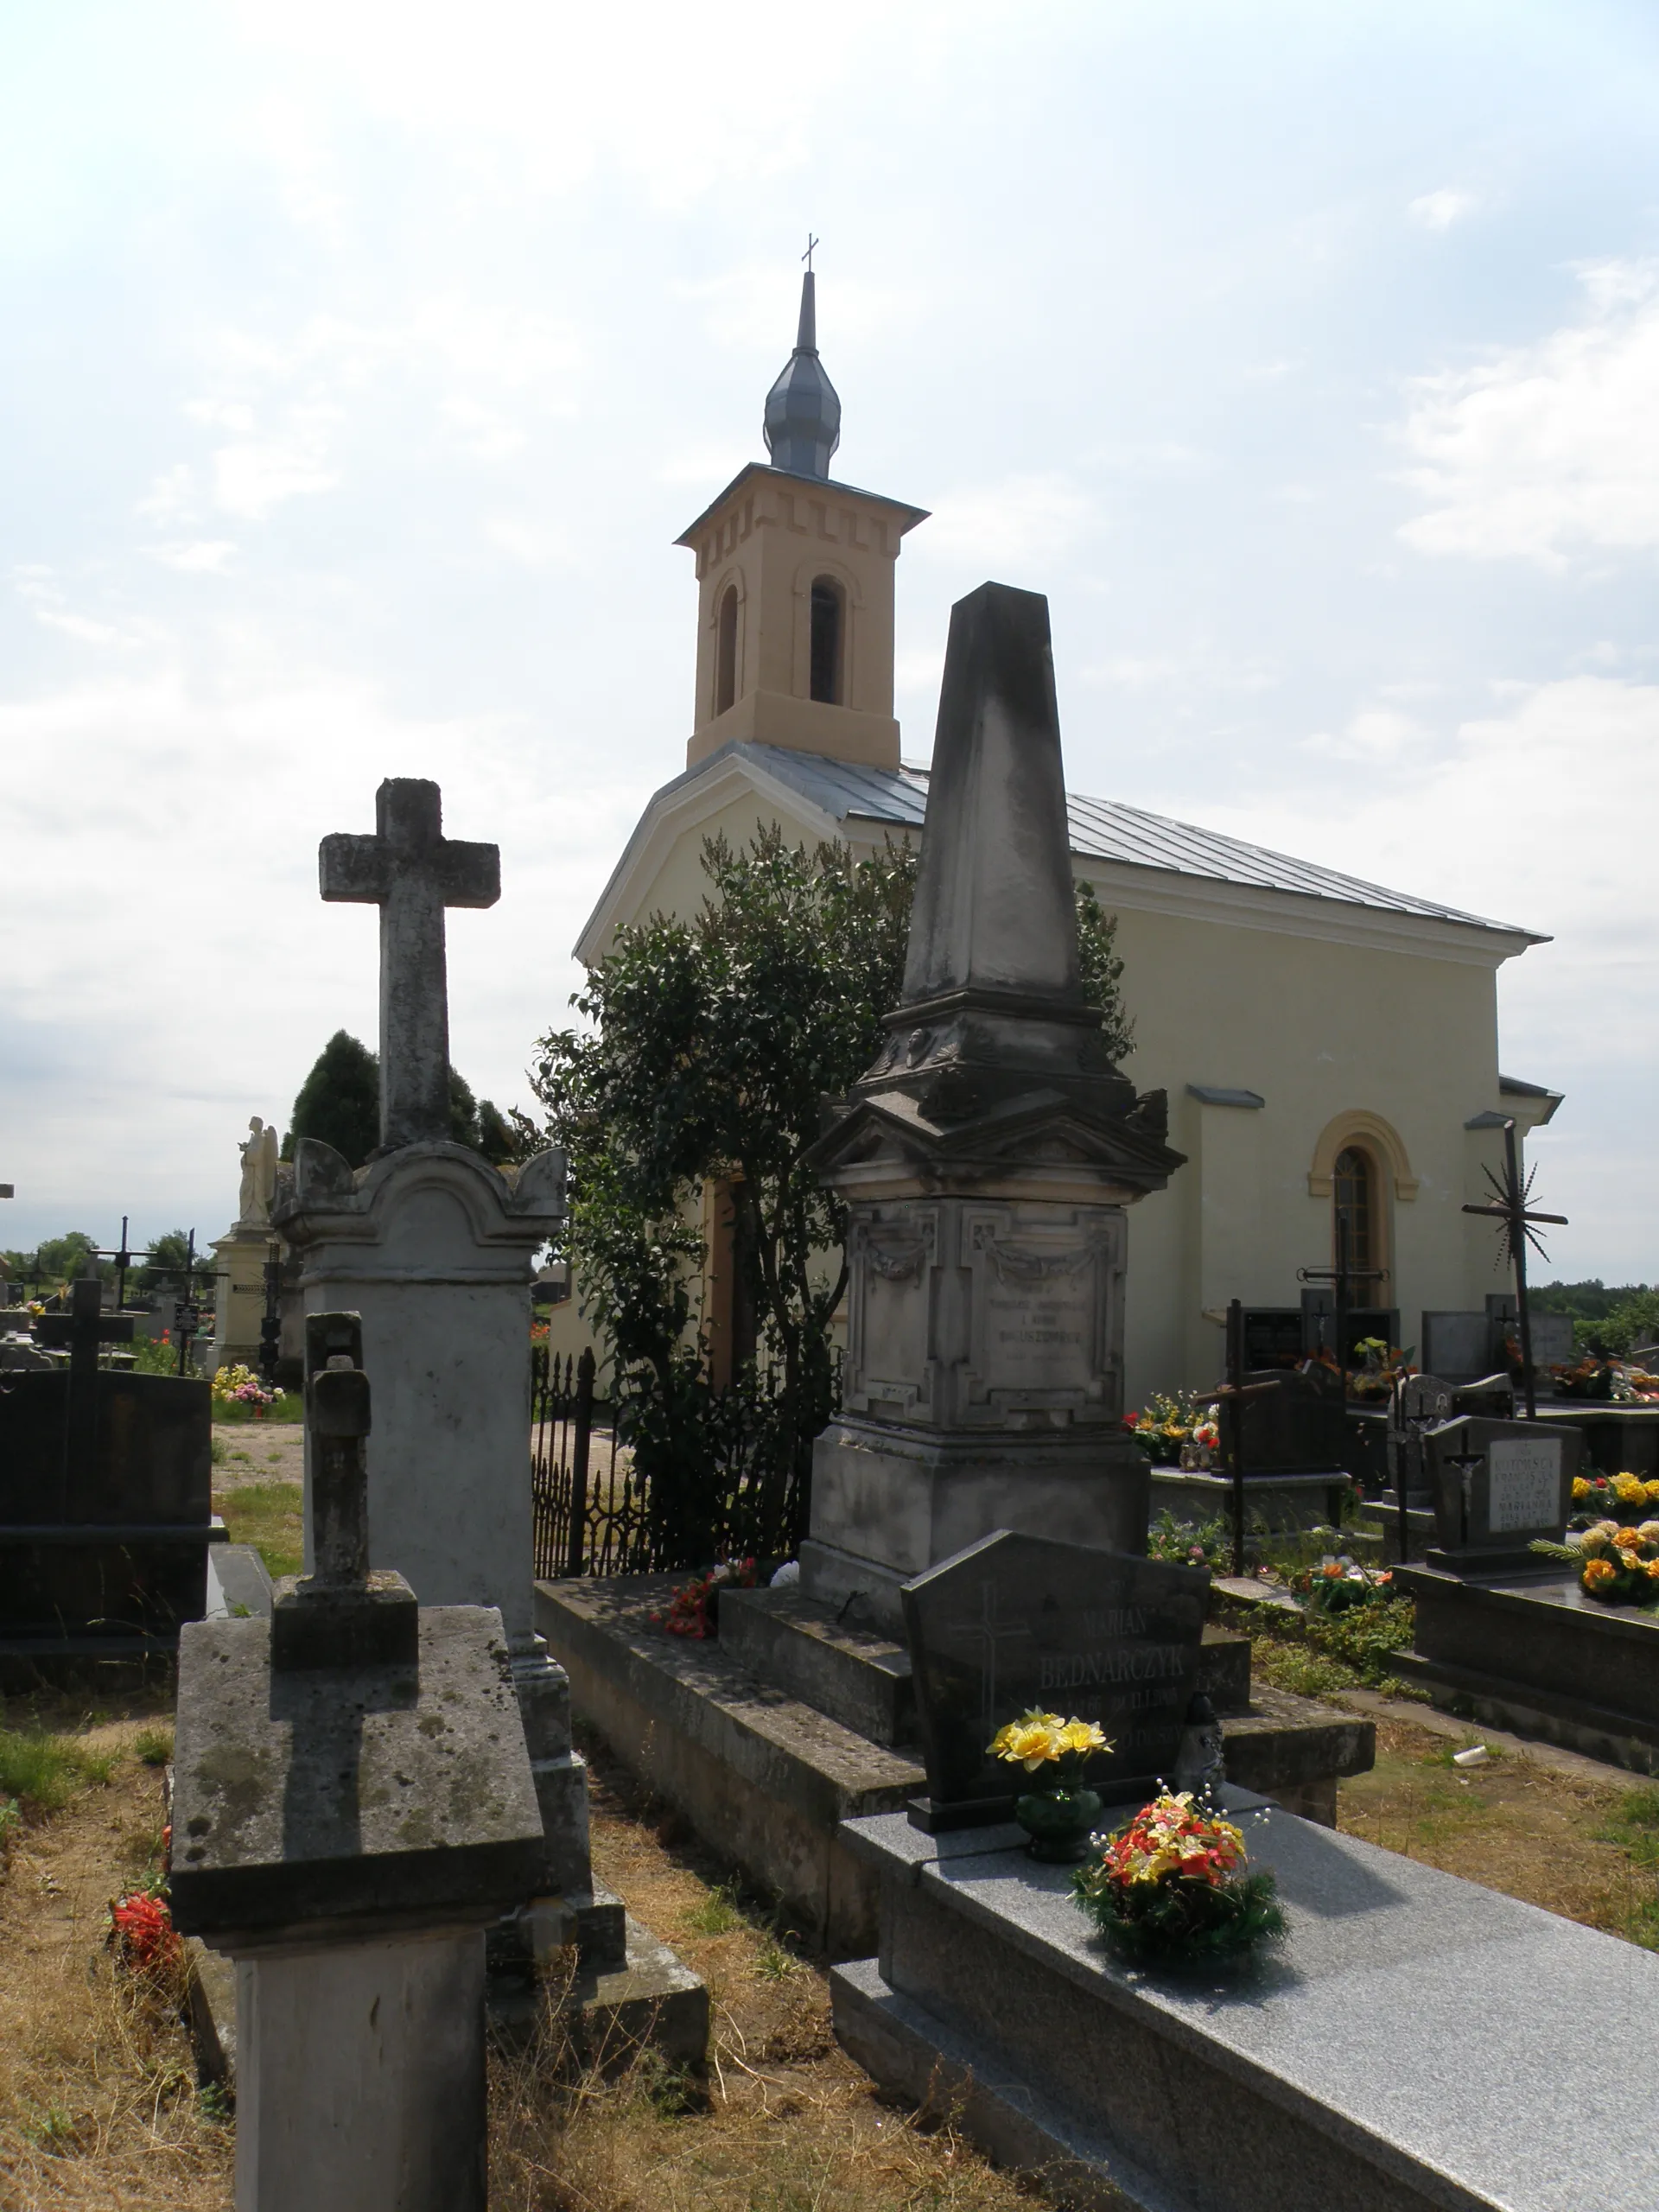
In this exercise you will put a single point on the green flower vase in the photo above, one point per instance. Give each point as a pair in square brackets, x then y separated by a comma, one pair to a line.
[1058, 1823]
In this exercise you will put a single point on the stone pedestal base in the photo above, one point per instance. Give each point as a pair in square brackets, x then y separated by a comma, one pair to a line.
[889, 1504]
[238, 1299]
[559, 1773]
[360, 2075]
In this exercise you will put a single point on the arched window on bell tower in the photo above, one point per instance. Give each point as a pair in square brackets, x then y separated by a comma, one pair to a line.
[726, 651]
[829, 622]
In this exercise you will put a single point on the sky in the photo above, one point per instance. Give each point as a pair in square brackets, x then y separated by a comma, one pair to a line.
[361, 363]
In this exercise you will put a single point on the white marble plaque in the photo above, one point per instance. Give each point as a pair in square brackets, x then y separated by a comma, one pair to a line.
[1523, 1476]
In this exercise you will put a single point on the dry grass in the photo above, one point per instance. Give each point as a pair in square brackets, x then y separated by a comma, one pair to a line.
[1573, 1844]
[99, 2104]
[784, 2122]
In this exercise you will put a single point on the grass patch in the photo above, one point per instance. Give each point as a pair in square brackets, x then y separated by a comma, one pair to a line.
[1299, 1668]
[42, 1772]
[1575, 1845]
[153, 1745]
[717, 1914]
[267, 1515]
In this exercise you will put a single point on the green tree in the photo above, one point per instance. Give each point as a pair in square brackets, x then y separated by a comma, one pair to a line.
[168, 1256]
[339, 1103]
[713, 1044]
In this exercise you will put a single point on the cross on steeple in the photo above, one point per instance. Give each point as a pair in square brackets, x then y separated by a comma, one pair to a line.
[411, 871]
[807, 256]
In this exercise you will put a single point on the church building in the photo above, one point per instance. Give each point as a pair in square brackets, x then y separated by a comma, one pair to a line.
[1330, 1048]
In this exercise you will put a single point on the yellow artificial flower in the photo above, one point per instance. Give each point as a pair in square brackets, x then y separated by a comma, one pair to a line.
[1630, 1490]
[1598, 1572]
[1651, 1568]
[1594, 1542]
[1649, 1532]
[1580, 1489]
[1629, 1539]
[1083, 1736]
[1652, 1489]
[1032, 1741]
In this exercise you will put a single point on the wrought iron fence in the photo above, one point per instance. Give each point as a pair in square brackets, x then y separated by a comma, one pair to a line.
[593, 1508]
[590, 1510]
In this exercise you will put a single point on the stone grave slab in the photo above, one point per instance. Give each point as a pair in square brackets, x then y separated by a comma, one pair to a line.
[1418, 2044]
[1498, 1484]
[1015, 1622]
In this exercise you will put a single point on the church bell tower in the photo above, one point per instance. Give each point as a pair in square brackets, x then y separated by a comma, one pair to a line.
[795, 587]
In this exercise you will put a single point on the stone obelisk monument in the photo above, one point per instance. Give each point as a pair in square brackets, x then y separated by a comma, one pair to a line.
[987, 1159]
[433, 1246]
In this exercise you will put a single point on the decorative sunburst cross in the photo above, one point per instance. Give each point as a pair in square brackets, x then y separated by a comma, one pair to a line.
[1511, 1206]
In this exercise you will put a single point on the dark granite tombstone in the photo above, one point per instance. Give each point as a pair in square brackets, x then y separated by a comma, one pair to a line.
[1498, 1484]
[1017, 1622]
[1275, 1336]
[1298, 1427]
[106, 1511]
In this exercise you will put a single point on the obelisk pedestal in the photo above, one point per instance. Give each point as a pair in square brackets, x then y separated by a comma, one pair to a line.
[986, 1158]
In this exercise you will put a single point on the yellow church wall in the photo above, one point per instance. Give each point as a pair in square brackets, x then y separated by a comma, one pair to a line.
[1319, 1026]
[1316, 1028]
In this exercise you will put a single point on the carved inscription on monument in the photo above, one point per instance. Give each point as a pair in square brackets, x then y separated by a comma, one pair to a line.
[1043, 1284]
[1524, 1477]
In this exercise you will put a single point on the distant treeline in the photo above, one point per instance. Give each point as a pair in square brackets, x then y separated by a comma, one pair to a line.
[1615, 1319]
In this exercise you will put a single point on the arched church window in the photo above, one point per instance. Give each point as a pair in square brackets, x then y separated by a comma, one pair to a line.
[827, 625]
[726, 651]
[1354, 1193]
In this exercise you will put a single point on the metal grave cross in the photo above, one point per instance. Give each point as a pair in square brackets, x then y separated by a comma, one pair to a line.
[83, 1329]
[411, 871]
[1509, 1205]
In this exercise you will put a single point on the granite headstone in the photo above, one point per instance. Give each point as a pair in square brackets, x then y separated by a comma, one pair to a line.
[1298, 1427]
[1017, 1622]
[1498, 1484]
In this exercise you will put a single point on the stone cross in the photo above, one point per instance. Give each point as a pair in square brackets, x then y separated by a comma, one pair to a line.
[411, 871]
[337, 1416]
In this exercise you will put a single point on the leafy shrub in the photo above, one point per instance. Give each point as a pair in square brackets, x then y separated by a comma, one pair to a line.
[1366, 1639]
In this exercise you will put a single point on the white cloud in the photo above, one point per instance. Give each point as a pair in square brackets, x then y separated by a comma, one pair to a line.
[1548, 449]
[199, 556]
[1545, 815]
[1023, 520]
[1438, 210]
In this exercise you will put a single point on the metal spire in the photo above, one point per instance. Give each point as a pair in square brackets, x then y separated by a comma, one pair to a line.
[803, 415]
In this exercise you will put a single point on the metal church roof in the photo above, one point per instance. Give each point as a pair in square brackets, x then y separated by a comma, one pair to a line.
[1101, 829]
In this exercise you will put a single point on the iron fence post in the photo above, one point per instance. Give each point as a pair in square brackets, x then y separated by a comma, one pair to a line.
[579, 1460]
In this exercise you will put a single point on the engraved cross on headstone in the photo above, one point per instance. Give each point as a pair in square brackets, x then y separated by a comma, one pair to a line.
[411, 871]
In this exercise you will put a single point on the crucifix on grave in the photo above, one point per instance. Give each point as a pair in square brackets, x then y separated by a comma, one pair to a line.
[82, 1330]
[1510, 1207]
[1345, 1279]
[411, 871]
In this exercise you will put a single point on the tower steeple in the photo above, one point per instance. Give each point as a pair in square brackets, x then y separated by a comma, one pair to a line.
[795, 587]
[802, 416]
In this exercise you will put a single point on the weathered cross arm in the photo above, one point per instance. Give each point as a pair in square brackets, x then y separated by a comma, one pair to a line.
[411, 871]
